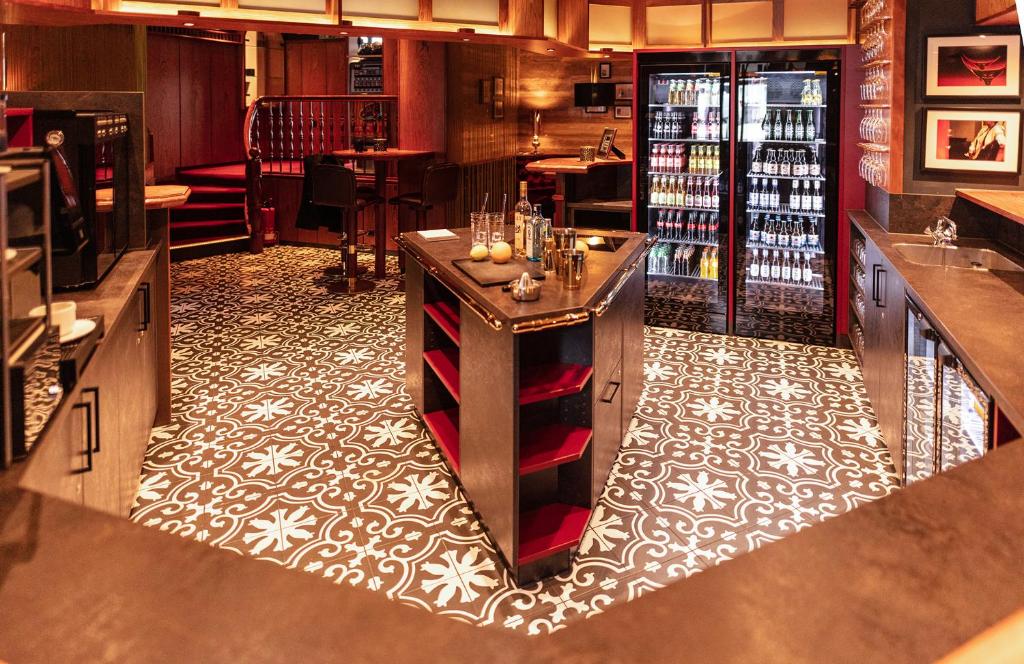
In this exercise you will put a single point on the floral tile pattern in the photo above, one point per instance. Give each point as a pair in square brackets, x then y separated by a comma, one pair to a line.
[293, 441]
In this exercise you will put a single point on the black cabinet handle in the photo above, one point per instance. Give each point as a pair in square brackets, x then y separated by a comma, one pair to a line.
[95, 392]
[880, 299]
[874, 281]
[88, 435]
[146, 320]
[615, 389]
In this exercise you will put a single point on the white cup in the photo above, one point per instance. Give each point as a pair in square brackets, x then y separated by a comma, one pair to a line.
[62, 314]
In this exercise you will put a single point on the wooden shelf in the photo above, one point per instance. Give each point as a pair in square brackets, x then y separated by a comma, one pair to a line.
[550, 529]
[446, 316]
[25, 257]
[549, 381]
[445, 363]
[444, 427]
[552, 446]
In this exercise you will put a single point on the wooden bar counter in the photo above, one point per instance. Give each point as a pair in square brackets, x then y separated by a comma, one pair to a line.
[528, 401]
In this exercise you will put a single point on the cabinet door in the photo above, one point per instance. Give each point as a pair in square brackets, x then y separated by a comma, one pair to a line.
[101, 387]
[59, 461]
[607, 426]
[890, 338]
[873, 363]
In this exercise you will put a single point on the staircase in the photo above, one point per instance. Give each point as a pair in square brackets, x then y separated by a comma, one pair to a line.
[213, 220]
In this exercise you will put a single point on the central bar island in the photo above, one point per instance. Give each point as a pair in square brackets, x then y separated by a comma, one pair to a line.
[528, 401]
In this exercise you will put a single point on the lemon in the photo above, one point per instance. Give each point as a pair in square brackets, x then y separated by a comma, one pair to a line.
[584, 247]
[478, 252]
[501, 252]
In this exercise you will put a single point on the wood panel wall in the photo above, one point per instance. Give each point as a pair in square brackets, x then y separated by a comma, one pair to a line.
[546, 83]
[484, 145]
[100, 57]
[194, 102]
[316, 67]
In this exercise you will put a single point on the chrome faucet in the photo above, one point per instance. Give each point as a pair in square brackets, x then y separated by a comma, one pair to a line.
[944, 234]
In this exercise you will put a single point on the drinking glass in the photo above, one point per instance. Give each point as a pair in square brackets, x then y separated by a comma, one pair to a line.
[479, 229]
[495, 228]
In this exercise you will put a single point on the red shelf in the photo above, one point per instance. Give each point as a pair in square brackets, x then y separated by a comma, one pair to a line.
[552, 446]
[444, 426]
[446, 316]
[445, 363]
[549, 381]
[550, 529]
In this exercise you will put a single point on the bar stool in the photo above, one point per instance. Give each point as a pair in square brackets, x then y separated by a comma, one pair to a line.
[440, 186]
[335, 186]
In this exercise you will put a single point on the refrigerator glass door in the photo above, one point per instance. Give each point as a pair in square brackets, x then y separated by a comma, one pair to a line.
[964, 430]
[921, 384]
[786, 200]
[683, 189]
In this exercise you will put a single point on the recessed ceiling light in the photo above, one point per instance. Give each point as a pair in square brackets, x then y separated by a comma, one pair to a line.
[551, 50]
[465, 39]
[344, 33]
[189, 24]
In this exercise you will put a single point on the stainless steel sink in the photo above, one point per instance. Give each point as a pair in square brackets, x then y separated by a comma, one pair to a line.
[968, 258]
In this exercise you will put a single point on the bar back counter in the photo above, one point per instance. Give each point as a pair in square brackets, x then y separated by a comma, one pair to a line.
[528, 401]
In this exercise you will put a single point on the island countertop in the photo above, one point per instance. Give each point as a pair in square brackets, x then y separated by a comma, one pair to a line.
[604, 271]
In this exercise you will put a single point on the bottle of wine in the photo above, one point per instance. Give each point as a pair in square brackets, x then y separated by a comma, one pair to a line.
[521, 217]
[755, 267]
[776, 269]
[787, 271]
[774, 200]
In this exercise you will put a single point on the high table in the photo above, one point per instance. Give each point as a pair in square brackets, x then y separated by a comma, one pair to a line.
[407, 167]
[594, 197]
[527, 401]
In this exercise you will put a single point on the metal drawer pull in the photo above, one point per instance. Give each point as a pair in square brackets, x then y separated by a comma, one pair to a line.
[88, 436]
[146, 319]
[95, 391]
[615, 391]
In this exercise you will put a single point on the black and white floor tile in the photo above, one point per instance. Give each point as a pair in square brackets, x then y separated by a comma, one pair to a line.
[293, 441]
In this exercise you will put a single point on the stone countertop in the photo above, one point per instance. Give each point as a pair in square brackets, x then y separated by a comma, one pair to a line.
[907, 578]
[979, 314]
[602, 271]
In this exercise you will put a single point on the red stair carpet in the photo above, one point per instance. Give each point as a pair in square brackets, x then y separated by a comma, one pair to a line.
[215, 212]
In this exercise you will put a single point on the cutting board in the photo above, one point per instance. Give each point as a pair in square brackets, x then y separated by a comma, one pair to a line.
[488, 273]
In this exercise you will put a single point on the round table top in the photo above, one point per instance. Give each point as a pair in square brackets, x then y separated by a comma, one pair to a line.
[157, 197]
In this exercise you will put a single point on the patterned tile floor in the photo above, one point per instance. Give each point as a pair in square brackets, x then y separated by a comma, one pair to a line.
[293, 441]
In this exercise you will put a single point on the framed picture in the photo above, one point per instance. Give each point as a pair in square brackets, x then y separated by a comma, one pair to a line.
[623, 112]
[595, 109]
[604, 70]
[973, 66]
[499, 108]
[972, 141]
[623, 92]
[607, 140]
[499, 86]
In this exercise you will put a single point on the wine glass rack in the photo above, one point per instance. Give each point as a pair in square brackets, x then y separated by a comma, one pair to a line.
[881, 31]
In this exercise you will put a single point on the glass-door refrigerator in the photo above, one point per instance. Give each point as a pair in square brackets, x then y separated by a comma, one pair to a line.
[682, 161]
[787, 204]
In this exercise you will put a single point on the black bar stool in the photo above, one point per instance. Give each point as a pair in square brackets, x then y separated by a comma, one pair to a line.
[440, 186]
[335, 186]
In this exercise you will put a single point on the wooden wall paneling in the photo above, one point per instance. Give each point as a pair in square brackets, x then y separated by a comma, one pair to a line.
[524, 18]
[195, 104]
[421, 95]
[897, 101]
[226, 112]
[546, 83]
[163, 103]
[293, 69]
[778, 19]
[574, 22]
[639, 23]
[94, 57]
[426, 12]
[995, 12]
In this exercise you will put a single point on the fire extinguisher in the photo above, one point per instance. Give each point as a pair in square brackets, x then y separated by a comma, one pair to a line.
[268, 219]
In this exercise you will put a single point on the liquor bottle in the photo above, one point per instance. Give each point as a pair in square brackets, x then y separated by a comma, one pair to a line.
[810, 131]
[755, 267]
[659, 125]
[535, 236]
[814, 168]
[807, 274]
[688, 200]
[521, 216]
[817, 199]
[800, 167]
[776, 271]
[694, 127]
[764, 271]
[716, 201]
[798, 233]
[706, 200]
[798, 128]
[777, 127]
[715, 125]
[773, 200]
[765, 194]
[766, 126]
[785, 167]
[755, 230]
[783, 239]
[787, 133]
[756, 163]
[794, 195]
[812, 235]
[768, 234]
[787, 271]
[805, 196]
[771, 166]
